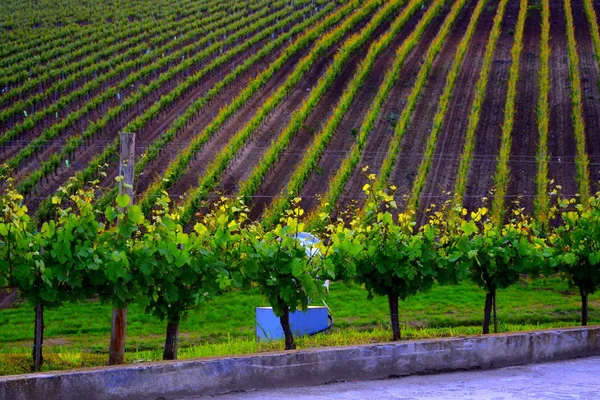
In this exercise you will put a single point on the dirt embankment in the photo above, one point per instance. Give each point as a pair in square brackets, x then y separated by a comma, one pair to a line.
[281, 172]
[346, 133]
[417, 133]
[590, 79]
[561, 138]
[450, 143]
[525, 135]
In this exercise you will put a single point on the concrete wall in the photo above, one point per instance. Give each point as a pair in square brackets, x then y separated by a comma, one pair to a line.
[175, 380]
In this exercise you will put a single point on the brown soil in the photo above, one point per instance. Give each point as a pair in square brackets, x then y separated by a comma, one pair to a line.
[140, 38]
[174, 148]
[250, 155]
[489, 132]
[450, 141]
[590, 79]
[83, 123]
[240, 167]
[281, 172]
[165, 118]
[378, 141]
[524, 145]
[417, 134]
[8, 297]
[345, 135]
[561, 139]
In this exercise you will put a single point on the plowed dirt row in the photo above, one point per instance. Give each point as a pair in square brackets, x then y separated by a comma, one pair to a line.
[417, 134]
[242, 164]
[525, 131]
[282, 170]
[442, 174]
[344, 138]
[561, 139]
[489, 132]
[378, 140]
[250, 155]
[150, 133]
[590, 79]
[84, 122]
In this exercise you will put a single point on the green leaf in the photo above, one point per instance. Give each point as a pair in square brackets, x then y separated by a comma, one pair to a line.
[123, 200]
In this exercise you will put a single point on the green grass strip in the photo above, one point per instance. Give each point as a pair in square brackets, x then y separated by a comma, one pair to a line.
[94, 166]
[178, 166]
[593, 21]
[211, 177]
[475, 113]
[542, 201]
[502, 169]
[581, 159]
[311, 157]
[411, 103]
[443, 103]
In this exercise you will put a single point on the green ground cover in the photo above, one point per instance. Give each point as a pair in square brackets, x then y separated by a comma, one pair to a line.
[78, 334]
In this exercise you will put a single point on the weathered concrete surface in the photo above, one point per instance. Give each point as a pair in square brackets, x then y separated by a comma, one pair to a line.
[573, 379]
[175, 380]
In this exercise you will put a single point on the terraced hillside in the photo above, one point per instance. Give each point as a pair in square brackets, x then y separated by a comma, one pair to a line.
[271, 100]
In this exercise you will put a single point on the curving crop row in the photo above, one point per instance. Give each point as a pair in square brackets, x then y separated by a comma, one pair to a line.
[93, 167]
[502, 169]
[47, 34]
[44, 60]
[474, 115]
[312, 156]
[413, 99]
[71, 48]
[443, 103]
[542, 200]
[121, 65]
[176, 168]
[112, 55]
[211, 176]
[228, 25]
[593, 21]
[142, 91]
[581, 157]
[66, 77]
[338, 182]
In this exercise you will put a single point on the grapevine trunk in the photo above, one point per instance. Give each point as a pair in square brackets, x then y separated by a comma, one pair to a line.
[171, 341]
[38, 340]
[393, 302]
[487, 311]
[584, 307]
[287, 330]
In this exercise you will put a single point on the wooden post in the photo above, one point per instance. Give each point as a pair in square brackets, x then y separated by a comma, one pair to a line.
[118, 327]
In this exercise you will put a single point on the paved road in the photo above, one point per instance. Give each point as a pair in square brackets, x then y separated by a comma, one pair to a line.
[577, 379]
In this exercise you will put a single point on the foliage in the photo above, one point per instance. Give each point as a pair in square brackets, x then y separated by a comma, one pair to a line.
[288, 274]
[396, 260]
[576, 245]
[496, 255]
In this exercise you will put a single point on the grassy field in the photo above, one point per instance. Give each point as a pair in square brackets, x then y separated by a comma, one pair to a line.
[77, 334]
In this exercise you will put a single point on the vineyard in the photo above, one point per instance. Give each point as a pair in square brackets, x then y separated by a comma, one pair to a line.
[300, 109]
[269, 100]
